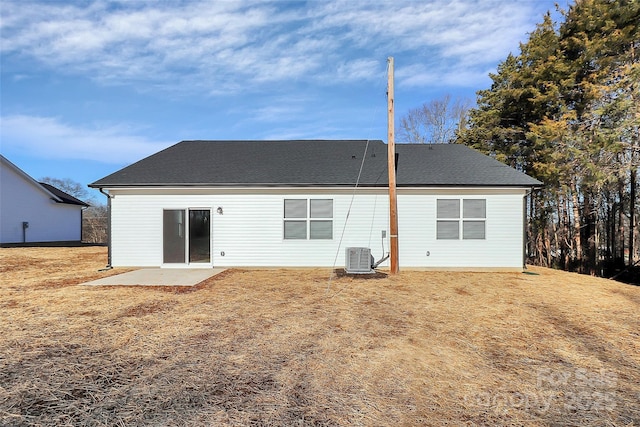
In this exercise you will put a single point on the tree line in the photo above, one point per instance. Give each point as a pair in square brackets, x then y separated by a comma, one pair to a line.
[566, 110]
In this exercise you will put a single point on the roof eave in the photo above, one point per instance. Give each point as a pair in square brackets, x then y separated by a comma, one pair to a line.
[302, 185]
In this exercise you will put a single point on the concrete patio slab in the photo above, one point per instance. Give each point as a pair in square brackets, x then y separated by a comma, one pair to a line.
[158, 277]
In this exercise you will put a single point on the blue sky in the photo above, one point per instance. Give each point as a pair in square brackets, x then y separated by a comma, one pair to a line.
[89, 87]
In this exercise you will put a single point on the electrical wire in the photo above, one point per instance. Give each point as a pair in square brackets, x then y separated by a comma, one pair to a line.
[344, 227]
[353, 195]
[373, 218]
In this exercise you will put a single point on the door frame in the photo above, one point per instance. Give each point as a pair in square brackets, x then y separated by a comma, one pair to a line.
[186, 263]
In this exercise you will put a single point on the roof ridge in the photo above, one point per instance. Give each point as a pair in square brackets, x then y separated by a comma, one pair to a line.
[276, 140]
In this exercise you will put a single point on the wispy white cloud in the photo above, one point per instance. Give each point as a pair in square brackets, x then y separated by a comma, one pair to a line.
[48, 137]
[359, 69]
[231, 46]
[418, 75]
[20, 77]
[274, 113]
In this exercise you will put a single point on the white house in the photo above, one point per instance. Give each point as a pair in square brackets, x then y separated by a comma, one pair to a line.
[301, 203]
[33, 212]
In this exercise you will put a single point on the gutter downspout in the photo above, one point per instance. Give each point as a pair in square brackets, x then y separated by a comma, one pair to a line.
[525, 224]
[528, 197]
[108, 267]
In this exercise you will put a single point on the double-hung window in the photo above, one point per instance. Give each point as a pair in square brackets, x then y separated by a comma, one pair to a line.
[466, 218]
[308, 219]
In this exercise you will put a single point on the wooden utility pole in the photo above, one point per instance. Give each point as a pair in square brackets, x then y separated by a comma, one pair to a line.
[391, 165]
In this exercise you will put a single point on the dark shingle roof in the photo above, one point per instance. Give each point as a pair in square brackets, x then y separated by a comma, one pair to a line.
[313, 163]
[65, 197]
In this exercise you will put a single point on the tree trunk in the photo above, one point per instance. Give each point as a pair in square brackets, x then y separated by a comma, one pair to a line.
[620, 254]
[590, 236]
[610, 229]
[633, 161]
[632, 214]
[577, 226]
[528, 206]
[567, 244]
[613, 232]
[555, 226]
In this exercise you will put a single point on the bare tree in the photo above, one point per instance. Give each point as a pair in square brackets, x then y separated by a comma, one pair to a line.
[70, 187]
[94, 224]
[435, 122]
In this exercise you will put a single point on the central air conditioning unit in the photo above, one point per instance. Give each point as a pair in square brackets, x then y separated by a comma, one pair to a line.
[358, 261]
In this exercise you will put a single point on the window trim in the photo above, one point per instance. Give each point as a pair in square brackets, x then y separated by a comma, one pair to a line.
[308, 219]
[461, 219]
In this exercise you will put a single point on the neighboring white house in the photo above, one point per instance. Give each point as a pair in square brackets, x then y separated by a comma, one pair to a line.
[33, 212]
[296, 203]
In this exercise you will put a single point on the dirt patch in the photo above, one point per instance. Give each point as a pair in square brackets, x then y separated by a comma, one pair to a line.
[146, 308]
[308, 347]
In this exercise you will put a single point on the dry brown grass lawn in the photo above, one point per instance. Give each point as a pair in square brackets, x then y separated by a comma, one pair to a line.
[272, 347]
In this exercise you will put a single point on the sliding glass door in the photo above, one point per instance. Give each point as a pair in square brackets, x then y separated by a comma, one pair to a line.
[174, 237]
[186, 236]
[199, 236]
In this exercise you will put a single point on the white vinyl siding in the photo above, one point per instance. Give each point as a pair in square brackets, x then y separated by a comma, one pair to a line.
[250, 233]
[417, 235]
[23, 200]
